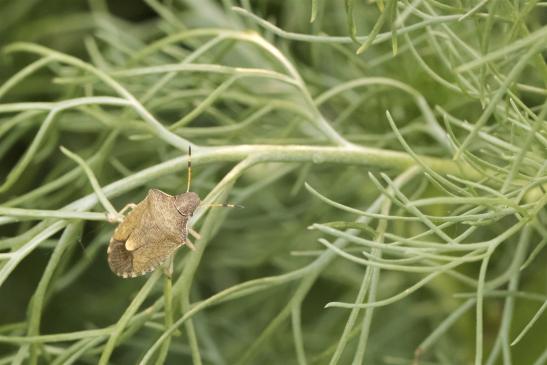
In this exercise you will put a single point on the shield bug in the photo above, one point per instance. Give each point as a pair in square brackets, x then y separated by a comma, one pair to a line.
[153, 230]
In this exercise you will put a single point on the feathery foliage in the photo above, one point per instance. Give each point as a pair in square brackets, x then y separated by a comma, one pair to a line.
[391, 156]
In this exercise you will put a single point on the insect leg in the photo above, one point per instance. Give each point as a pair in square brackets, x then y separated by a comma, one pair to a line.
[127, 207]
[195, 234]
[168, 268]
[189, 244]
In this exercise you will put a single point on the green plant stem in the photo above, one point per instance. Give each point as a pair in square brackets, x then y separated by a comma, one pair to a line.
[269, 153]
[296, 319]
[94, 183]
[515, 71]
[54, 110]
[359, 355]
[168, 313]
[259, 284]
[193, 262]
[156, 126]
[28, 247]
[479, 307]
[12, 214]
[126, 317]
[69, 236]
[382, 37]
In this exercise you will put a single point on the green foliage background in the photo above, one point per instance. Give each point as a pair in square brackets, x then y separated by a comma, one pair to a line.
[390, 155]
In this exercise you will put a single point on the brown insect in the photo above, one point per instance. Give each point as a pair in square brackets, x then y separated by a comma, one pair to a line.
[153, 230]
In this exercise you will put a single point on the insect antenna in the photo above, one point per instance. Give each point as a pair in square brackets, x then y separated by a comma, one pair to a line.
[189, 168]
[222, 205]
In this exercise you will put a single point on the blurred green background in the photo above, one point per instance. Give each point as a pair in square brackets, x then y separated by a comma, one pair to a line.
[412, 74]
